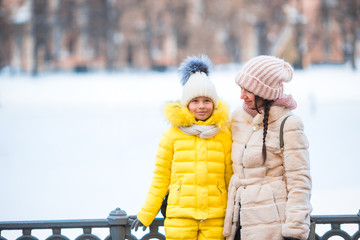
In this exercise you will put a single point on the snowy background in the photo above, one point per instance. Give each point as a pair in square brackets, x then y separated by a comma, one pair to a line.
[76, 146]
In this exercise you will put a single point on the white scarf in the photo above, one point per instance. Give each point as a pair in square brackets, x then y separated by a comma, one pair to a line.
[203, 131]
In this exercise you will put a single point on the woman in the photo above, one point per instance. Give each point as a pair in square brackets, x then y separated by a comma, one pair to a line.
[269, 193]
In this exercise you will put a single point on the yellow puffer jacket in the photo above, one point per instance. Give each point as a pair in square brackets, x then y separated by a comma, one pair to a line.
[195, 171]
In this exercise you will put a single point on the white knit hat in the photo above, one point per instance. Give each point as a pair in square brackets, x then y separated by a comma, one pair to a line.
[264, 76]
[195, 80]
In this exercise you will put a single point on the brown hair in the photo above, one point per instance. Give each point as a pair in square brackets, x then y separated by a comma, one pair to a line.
[266, 104]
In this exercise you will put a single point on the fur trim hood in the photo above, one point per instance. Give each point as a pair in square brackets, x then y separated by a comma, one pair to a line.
[179, 115]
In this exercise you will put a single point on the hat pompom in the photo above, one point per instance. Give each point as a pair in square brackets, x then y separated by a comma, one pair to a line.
[193, 64]
[195, 79]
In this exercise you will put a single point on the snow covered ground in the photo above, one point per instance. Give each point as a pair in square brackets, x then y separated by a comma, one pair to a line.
[76, 146]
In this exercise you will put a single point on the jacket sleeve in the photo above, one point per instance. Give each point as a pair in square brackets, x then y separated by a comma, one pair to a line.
[298, 180]
[229, 216]
[160, 181]
[228, 162]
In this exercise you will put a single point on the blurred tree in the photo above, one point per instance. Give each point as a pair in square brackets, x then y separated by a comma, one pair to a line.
[233, 30]
[40, 28]
[348, 17]
[5, 35]
[112, 34]
[148, 12]
[177, 11]
[68, 32]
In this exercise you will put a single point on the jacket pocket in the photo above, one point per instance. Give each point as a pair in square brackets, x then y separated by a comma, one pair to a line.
[222, 193]
[259, 205]
[174, 195]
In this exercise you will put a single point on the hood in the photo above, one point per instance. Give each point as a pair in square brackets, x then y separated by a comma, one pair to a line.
[179, 115]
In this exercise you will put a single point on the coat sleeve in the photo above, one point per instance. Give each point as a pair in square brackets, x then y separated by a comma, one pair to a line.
[298, 180]
[160, 181]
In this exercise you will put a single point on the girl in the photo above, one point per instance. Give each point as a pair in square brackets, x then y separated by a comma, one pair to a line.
[193, 161]
[269, 193]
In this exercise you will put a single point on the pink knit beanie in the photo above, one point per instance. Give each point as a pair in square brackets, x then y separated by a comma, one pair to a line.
[264, 76]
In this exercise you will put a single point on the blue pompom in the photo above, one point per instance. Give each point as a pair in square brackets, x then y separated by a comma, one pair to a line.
[192, 65]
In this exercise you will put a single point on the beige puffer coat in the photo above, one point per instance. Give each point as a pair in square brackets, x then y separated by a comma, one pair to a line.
[271, 207]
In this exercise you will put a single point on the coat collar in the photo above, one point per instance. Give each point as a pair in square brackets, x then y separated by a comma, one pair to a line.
[276, 112]
[179, 115]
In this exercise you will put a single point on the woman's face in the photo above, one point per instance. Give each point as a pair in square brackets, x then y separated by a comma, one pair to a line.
[249, 99]
[201, 107]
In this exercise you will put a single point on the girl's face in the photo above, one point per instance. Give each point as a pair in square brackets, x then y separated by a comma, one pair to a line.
[249, 99]
[201, 107]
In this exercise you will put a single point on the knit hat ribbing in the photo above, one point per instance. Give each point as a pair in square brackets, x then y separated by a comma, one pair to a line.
[195, 80]
[264, 76]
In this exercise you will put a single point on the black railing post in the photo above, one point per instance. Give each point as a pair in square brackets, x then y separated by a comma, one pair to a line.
[117, 220]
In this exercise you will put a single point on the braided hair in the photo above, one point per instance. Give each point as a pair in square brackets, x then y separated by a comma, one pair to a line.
[266, 104]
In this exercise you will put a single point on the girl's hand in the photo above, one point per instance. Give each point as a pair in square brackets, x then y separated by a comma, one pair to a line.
[290, 238]
[136, 224]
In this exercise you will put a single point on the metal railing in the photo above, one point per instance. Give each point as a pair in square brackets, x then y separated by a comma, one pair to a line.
[118, 225]
[336, 221]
